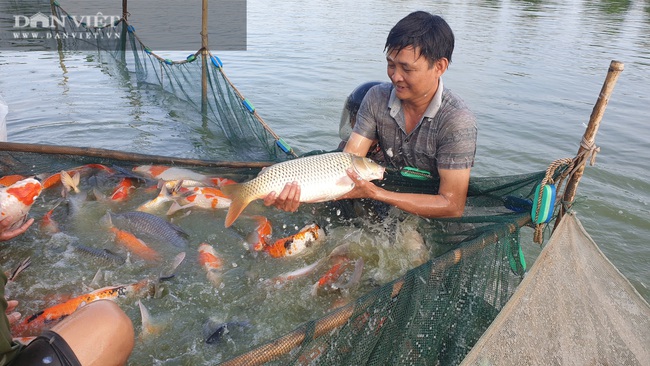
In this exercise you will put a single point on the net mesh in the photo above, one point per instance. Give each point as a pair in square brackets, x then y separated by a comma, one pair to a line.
[573, 308]
[199, 81]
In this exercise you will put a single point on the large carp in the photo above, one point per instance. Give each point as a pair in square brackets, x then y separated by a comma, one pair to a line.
[321, 178]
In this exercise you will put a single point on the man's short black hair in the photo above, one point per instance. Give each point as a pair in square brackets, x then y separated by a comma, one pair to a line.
[430, 33]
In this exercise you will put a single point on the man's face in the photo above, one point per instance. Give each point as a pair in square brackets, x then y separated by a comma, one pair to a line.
[411, 74]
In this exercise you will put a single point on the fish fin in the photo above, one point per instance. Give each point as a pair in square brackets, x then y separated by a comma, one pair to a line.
[21, 267]
[345, 181]
[106, 220]
[178, 259]
[147, 325]
[98, 276]
[175, 207]
[238, 204]
[215, 278]
[99, 196]
[314, 289]
[70, 182]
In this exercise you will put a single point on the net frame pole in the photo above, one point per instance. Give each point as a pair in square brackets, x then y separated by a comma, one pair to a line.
[125, 15]
[204, 58]
[127, 156]
[615, 69]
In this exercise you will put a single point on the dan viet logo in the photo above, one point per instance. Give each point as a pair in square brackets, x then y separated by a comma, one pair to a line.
[41, 26]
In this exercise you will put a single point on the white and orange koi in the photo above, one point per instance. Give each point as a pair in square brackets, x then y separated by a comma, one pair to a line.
[200, 197]
[292, 245]
[34, 324]
[259, 239]
[154, 204]
[135, 245]
[170, 173]
[211, 263]
[16, 200]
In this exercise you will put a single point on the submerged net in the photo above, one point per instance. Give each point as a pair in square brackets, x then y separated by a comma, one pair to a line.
[199, 81]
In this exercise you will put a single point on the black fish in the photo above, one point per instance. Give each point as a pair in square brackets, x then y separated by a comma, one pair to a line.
[104, 254]
[213, 331]
[146, 225]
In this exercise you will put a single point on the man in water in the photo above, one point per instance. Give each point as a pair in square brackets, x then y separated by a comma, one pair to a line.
[416, 121]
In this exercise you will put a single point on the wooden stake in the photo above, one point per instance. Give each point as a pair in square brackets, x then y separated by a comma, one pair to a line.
[615, 68]
[204, 58]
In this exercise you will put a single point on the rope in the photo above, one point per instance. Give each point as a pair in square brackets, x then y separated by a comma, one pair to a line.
[589, 151]
[548, 179]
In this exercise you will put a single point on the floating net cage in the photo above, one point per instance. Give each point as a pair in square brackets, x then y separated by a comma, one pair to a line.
[435, 313]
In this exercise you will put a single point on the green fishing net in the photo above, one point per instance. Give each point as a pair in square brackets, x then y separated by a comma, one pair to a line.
[433, 314]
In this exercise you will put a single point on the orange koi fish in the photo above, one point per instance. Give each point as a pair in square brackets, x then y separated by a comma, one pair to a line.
[122, 190]
[55, 178]
[17, 199]
[334, 272]
[8, 180]
[48, 225]
[211, 262]
[297, 243]
[259, 239]
[34, 324]
[336, 278]
[135, 245]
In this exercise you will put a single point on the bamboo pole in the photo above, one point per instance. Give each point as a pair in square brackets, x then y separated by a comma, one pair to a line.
[615, 69]
[125, 11]
[125, 156]
[125, 15]
[204, 58]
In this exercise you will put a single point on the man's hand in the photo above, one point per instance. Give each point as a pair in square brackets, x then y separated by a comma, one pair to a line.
[12, 316]
[10, 234]
[362, 188]
[288, 200]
